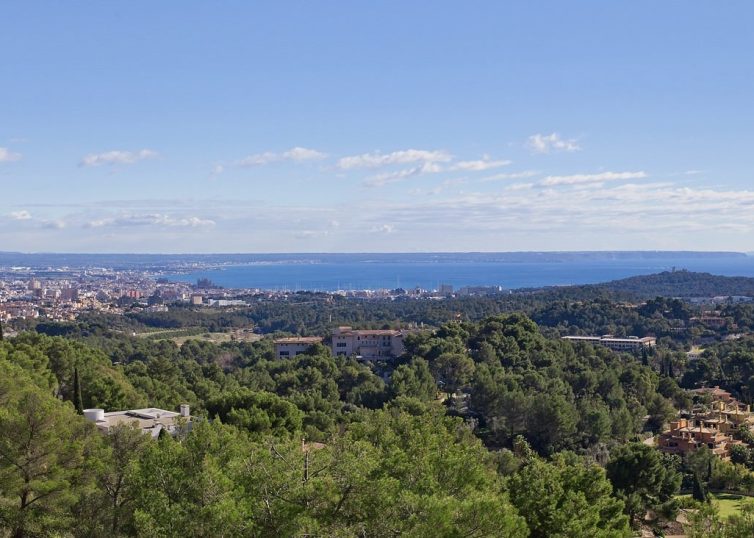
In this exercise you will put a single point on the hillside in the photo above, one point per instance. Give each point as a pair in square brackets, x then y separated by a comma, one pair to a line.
[679, 284]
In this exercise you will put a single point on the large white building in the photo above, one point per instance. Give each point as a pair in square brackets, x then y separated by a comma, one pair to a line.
[632, 343]
[367, 344]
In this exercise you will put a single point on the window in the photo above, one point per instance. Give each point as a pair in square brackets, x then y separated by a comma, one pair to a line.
[284, 353]
[341, 344]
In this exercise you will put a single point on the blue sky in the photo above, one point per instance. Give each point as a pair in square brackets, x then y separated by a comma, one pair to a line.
[187, 126]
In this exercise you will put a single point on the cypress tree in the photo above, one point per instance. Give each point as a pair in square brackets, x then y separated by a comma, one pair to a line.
[709, 469]
[77, 398]
[700, 491]
[1, 331]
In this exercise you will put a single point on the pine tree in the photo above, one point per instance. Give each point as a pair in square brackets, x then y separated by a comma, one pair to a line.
[77, 398]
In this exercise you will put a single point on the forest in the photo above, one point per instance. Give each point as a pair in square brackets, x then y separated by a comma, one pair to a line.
[488, 425]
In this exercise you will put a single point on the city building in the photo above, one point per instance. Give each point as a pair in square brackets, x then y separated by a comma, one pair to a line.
[632, 343]
[69, 294]
[226, 302]
[150, 420]
[367, 344]
[445, 289]
[286, 348]
[481, 290]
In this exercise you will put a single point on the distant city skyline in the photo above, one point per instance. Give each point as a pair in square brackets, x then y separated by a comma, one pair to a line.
[383, 127]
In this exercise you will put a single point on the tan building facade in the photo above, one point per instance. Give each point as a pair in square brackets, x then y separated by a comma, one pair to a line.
[286, 348]
[367, 344]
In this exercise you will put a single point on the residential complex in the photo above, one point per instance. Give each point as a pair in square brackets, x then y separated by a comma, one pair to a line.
[687, 435]
[710, 424]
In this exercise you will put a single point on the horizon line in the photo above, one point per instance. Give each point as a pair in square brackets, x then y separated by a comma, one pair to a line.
[356, 253]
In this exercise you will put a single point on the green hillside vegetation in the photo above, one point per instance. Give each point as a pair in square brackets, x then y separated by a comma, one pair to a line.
[483, 428]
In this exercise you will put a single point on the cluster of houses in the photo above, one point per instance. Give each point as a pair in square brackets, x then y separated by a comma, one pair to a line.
[710, 424]
[364, 344]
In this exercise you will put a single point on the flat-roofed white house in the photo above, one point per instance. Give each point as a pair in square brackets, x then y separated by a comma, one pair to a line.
[150, 420]
[632, 343]
[285, 348]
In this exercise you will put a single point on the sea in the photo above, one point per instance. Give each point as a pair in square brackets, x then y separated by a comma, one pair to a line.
[429, 273]
[367, 271]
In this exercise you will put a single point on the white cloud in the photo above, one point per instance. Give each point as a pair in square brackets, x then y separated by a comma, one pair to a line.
[116, 157]
[580, 179]
[7, 155]
[383, 229]
[152, 219]
[519, 216]
[20, 215]
[513, 175]
[377, 159]
[380, 180]
[304, 154]
[519, 187]
[296, 154]
[578, 215]
[217, 170]
[485, 163]
[310, 234]
[539, 143]
[260, 159]
[56, 224]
